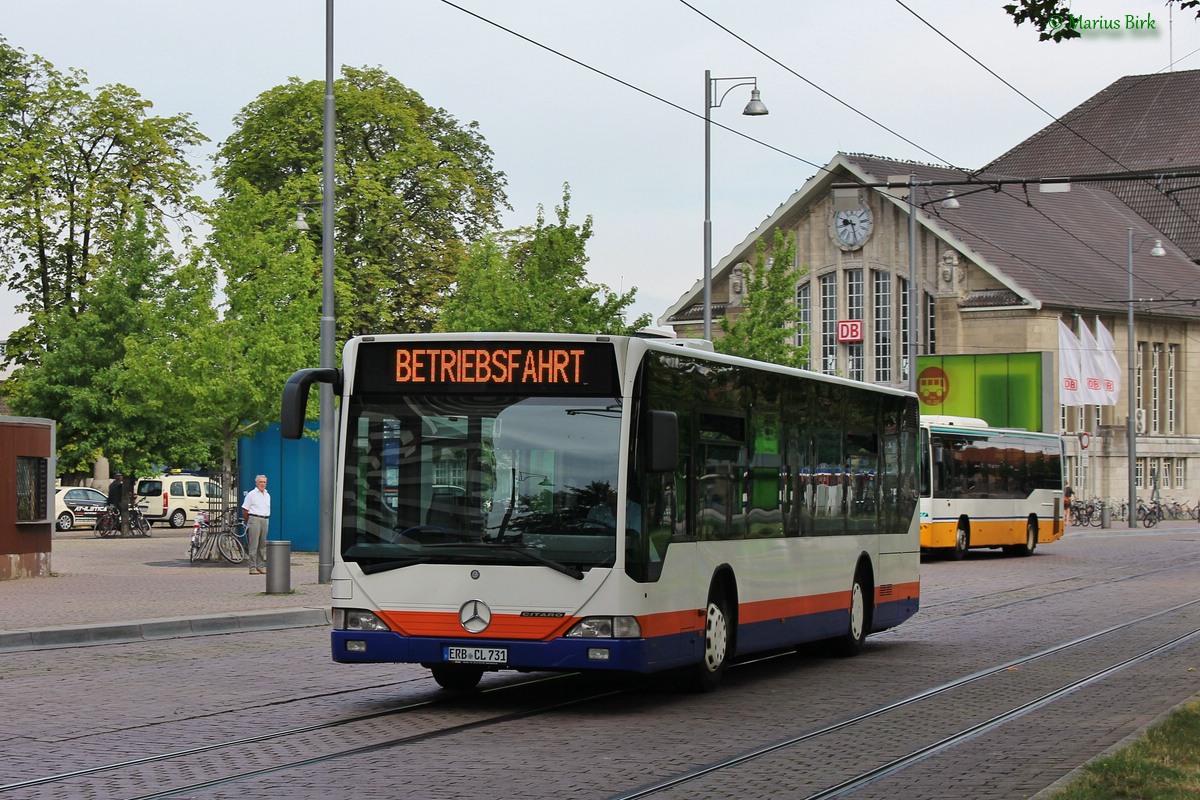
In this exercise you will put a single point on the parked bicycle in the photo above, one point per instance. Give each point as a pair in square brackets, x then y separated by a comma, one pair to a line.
[108, 524]
[1150, 514]
[1178, 510]
[214, 535]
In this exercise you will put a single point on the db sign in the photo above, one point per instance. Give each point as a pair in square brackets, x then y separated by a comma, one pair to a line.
[850, 330]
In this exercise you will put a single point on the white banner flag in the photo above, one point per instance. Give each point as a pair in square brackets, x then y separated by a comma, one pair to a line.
[1070, 383]
[1093, 368]
[1112, 368]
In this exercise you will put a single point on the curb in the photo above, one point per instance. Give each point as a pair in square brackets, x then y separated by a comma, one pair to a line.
[157, 629]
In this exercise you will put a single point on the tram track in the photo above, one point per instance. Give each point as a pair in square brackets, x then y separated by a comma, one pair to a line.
[904, 760]
[224, 763]
[870, 776]
[217, 773]
[1094, 579]
[58, 780]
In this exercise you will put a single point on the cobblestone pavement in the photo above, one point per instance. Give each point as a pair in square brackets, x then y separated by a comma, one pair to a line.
[118, 585]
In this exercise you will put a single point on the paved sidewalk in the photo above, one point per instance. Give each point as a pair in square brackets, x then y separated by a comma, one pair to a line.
[126, 589]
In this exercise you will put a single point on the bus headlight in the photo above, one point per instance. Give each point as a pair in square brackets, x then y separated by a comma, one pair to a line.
[353, 619]
[606, 628]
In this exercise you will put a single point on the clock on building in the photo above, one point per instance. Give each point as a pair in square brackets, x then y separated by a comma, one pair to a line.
[852, 227]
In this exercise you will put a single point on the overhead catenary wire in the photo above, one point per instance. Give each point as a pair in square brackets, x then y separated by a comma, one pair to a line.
[971, 178]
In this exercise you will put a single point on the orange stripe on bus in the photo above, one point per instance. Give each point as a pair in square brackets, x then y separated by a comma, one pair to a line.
[669, 623]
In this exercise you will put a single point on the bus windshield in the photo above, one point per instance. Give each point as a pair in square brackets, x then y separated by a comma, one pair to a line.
[480, 479]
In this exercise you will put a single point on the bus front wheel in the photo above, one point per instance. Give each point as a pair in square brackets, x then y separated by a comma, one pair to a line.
[704, 676]
[457, 677]
[852, 641]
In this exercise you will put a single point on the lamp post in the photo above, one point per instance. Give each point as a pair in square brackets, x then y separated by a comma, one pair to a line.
[754, 108]
[914, 325]
[1131, 424]
[326, 448]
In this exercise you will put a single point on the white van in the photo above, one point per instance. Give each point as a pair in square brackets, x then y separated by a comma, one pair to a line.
[177, 498]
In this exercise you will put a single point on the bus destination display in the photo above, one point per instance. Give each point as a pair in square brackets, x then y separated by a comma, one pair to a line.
[502, 367]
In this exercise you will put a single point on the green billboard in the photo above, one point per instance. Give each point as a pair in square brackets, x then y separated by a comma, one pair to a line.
[1009, 390]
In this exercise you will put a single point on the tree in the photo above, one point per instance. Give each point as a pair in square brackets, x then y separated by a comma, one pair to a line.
[534, 279]
[234, 366]
[1053, 18]
[83, 379]
[414, 188]
[76, 166]
[764, 330]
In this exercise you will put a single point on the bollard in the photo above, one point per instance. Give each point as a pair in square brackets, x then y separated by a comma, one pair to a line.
[279, 567]
[1105, 517]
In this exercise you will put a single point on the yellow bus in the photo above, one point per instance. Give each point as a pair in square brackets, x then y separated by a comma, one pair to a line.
[988, 487]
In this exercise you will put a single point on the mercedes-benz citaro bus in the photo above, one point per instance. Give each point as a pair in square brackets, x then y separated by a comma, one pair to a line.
[577, 502]
[988, 487]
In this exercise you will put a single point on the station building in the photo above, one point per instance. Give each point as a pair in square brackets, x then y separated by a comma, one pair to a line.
[1054, 229]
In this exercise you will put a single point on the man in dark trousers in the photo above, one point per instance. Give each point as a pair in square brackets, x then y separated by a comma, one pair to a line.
[116, 491]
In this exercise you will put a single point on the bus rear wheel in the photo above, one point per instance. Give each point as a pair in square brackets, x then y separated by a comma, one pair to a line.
[1031, 537]
[457, 677]
[962, 543]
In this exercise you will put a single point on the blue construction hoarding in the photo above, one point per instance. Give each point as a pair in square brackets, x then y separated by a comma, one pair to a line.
[292, 470]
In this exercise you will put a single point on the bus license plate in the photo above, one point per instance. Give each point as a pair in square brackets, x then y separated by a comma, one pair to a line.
[476, 655]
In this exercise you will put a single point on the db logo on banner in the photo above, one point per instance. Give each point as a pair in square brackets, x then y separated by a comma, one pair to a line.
[1070, 384]
[850, 330]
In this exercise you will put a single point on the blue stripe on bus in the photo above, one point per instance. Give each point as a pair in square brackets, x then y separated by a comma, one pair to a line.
[633, 655]
[630, 655]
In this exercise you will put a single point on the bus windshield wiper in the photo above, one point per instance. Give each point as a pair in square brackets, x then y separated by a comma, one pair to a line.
[554, 565]
[514, 548]
[372, 566]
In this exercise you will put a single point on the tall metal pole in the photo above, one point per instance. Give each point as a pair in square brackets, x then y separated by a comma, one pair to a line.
[754, 108]
[1131, 427]
[707, 204]
[328, 329]
[913, 325]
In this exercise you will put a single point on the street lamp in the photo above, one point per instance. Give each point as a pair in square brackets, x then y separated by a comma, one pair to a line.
[1131, 424]
[754, 108]
[914, 326]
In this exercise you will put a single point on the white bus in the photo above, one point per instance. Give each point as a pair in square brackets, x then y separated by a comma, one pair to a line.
[988, 487]
[573, 502]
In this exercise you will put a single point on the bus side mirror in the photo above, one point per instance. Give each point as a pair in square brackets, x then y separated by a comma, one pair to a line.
[663, 441]
[295, 398]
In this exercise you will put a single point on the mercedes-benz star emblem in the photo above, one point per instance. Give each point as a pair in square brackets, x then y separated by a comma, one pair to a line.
[475, 616]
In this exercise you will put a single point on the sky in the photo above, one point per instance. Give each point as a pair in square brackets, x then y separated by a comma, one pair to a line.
[609, 95]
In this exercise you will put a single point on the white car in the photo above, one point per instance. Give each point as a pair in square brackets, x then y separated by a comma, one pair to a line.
[77, 506]
[177, 498]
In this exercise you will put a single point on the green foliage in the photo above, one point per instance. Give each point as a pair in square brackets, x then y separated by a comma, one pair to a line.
[766, 328]
[1051, 18]
[233, 367]
[1163, 764]
[414, 187]
[76, 166]
[535, 279]
[83, 377]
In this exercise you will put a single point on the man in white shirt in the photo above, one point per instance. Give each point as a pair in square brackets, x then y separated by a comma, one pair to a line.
[256, 508]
